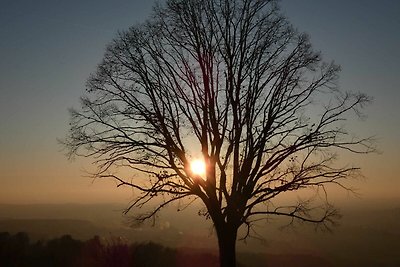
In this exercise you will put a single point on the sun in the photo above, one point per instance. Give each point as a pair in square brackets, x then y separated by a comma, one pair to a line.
[198, 167]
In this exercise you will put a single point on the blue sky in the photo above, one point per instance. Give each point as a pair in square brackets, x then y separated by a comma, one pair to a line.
[49, 48]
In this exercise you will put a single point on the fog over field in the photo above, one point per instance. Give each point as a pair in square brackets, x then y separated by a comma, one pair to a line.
[366, 235]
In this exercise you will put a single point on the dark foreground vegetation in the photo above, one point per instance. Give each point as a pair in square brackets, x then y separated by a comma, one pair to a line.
[17, 250]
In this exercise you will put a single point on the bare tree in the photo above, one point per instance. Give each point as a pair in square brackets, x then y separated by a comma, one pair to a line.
[230, 81]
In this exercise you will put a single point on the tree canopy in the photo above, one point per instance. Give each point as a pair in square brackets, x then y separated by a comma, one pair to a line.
[231, 83]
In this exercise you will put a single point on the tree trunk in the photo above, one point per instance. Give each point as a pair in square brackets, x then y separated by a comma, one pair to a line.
[227, 245]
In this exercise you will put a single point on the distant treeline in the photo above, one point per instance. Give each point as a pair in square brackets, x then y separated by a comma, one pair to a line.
[18, 251]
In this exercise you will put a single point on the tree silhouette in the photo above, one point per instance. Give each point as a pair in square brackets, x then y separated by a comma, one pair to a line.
[230, 82]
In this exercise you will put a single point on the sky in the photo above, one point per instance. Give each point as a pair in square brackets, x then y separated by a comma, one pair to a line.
[48, 49]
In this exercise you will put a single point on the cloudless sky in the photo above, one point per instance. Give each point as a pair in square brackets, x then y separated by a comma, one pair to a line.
[48, 48]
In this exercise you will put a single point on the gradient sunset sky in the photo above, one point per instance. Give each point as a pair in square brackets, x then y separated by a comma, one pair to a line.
[48, 49]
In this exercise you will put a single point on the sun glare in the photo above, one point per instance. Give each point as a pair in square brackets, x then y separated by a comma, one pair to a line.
[198, 167]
